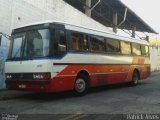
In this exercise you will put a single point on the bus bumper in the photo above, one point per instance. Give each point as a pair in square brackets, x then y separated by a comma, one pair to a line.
[57, 84]
[30, 86]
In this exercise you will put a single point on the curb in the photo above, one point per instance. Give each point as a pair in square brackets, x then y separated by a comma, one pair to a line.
[7, 94]
[3, 89]
[155, 73]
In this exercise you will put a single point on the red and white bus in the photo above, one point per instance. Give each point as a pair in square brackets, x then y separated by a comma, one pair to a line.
[56, 57]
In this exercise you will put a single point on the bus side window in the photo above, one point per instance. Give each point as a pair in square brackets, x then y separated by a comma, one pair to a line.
[60, 44]
[79, 42]
[61, 37]
[84, 43]
[113, 46]
[126, 48]
[145, 50]
[136, 49]
[76, 43]
[97, 44]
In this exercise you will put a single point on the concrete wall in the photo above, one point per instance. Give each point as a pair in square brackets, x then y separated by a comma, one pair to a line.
[159, 59]
[155, 59]
[60, 10]
[5, 18]
[159, 62]
[14, 13]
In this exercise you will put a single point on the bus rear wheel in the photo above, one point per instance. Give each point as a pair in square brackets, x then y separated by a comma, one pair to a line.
[135, 78]
[81, 85]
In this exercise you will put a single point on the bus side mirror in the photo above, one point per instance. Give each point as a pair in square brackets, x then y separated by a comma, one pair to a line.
[10, 37]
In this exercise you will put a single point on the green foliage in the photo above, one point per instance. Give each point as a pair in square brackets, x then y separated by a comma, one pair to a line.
[155, 42]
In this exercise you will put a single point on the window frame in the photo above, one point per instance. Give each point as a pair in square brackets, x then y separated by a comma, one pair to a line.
[12, 46]
[52, 42]
[95, 51]
[71, 41]
[142, 52]
[106, 44]
[122, 47]
[64, 37]
[115, 53]
[132, 49]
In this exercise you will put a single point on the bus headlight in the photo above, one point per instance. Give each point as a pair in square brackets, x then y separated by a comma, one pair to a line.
[8, 76]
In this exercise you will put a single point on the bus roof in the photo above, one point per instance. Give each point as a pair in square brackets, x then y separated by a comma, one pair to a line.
[90, 31]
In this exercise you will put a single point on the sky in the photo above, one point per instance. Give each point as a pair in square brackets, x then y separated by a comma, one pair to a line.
[148, 10]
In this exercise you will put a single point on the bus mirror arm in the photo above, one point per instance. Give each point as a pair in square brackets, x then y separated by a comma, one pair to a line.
[95, 5]
[124, 19]
[6, 36]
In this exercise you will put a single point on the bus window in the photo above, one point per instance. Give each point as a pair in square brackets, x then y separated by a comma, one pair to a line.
[37, 43]
[79, 42]
[126, 48]
[85, 43]
[145, 50]
[113, 46]
[17, 47]
[76, 43]
[97, 44]
[61, 40]
[60, 44]
[136, 49]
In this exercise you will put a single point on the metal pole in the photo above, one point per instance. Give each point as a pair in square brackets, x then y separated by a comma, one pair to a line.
[134, 32]
[147, 38]
[95, 5]
[124, 19]
[115, 21]
[87, 9]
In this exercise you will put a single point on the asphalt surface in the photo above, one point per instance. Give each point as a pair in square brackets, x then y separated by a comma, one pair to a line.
[116, 99]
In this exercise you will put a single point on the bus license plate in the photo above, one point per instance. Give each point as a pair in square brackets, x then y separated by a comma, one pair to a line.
[22, 86]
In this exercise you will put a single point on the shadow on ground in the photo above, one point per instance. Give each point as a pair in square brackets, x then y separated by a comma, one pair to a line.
[64, 95]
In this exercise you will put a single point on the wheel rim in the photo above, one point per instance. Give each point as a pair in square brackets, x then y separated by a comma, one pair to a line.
[135, 78]
[80, 85]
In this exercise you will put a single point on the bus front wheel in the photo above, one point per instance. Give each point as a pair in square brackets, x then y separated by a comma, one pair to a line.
[81, 85]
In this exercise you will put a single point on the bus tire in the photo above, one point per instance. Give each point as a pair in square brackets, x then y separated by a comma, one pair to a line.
[135, 78]
[81, 85]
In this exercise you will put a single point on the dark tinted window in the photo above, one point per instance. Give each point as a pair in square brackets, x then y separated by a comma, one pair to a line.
[97, 44]
[61, 36]
[113, 46]
[60, 44]
[79, 42]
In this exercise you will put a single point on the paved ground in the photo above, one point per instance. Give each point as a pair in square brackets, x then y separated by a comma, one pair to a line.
[118, 99]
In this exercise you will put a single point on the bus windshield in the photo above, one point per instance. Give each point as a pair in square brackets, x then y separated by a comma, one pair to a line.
[31, 44]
